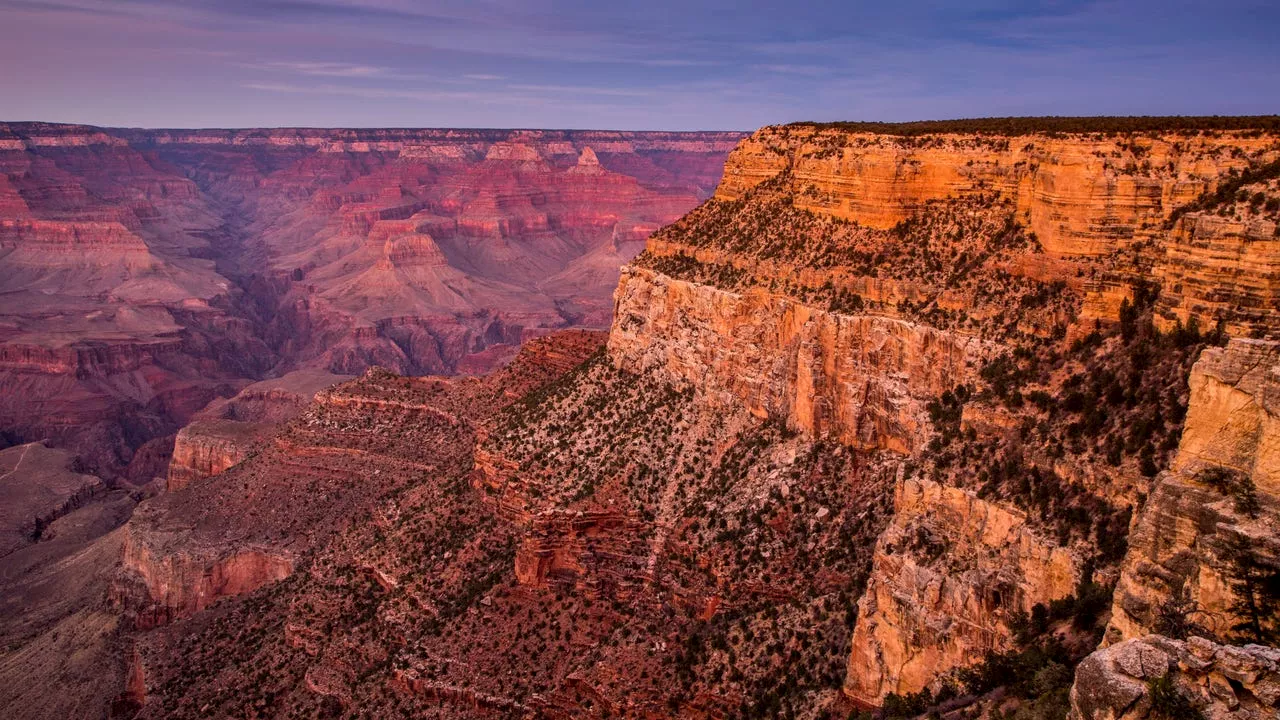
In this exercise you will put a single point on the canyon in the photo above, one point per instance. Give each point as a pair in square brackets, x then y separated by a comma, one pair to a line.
[970, 419]
[146, 273]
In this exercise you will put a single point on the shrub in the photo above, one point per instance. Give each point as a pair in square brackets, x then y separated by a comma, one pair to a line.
[1168, 703]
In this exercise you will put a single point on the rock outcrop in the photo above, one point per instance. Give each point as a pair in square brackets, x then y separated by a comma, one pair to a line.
[204, 449]
[1223, 490]
[948, 576]
[178, 584]
[1155, 677]
[226, 531]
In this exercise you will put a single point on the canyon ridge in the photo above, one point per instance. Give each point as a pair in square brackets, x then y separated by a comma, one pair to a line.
[961, 419]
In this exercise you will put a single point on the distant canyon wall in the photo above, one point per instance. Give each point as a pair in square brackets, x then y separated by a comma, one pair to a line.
[148, 272]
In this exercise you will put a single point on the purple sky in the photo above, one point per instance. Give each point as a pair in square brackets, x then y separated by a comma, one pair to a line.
[658, 64]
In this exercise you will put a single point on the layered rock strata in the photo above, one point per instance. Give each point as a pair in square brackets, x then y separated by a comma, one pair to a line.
[948, 576]
[860, 379]
[147, 273]
[1222, 491]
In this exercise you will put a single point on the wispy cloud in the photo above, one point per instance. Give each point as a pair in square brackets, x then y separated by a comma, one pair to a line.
[583, 90]
[321, 69]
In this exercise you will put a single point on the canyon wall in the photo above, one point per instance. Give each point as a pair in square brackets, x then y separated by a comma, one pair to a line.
[1084, 194]
[1221, 497]
[147, 273]
[910, 293]
[948, 576]
[1085, 197]
[862, 380]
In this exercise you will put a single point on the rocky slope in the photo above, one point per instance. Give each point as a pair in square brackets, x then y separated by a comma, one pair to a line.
[229, 532]
[38, 485]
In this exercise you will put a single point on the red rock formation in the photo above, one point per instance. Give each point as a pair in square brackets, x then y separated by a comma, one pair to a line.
[242, 526]
[205, 449]
[147, 272]
[696, 522]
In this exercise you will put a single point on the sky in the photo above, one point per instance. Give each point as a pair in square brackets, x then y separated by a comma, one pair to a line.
[657, 64]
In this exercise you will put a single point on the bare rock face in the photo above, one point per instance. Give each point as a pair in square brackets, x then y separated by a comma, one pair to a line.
[861, 379]
[1223, 489]
[1221, 267]
[948, 574]
[204, 449]
[1081, 195]
[177, 584]
[1218, 681]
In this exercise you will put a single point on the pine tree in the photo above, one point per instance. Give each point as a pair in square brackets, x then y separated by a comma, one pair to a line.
[1256, 582]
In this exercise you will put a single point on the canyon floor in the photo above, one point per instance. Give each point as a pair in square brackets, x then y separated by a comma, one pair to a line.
[971, 420]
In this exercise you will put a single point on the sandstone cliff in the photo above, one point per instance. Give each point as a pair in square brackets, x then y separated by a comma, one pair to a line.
[949, 574]
[1103, 198]
[862, 380]
[1221, 491]
[1084, 194]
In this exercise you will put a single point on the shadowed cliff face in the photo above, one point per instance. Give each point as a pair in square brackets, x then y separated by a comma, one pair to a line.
[145, 273]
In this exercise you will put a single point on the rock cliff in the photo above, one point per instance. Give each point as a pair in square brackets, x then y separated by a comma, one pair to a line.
[949, 575]
[1083, 194]
[1086, 196]
[1217, 506]
[204, 449]
[861, 379]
